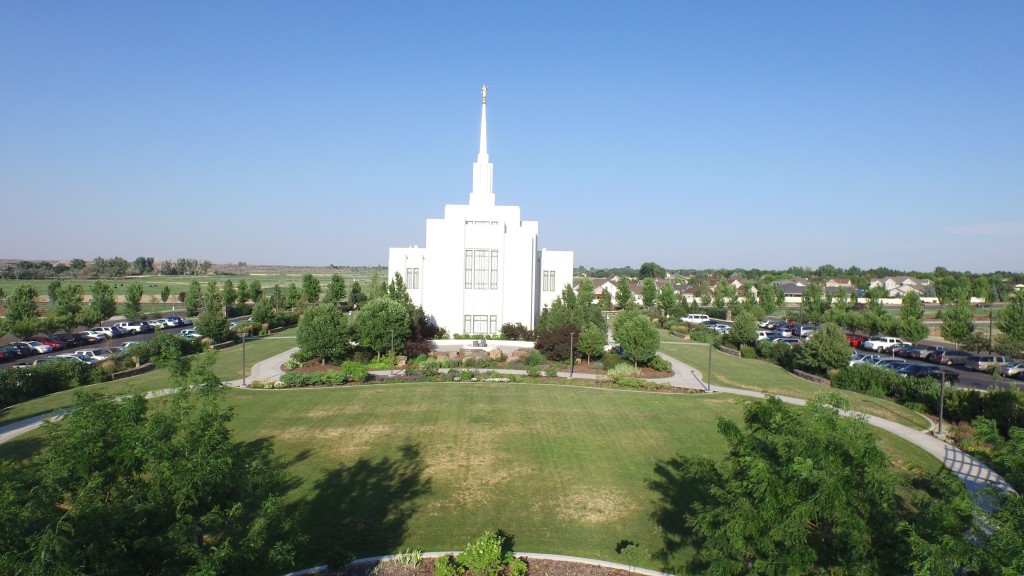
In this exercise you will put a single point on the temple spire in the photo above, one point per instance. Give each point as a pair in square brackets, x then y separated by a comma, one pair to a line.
[483, 170]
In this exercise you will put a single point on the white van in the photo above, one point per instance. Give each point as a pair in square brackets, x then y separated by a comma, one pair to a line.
[695, 318]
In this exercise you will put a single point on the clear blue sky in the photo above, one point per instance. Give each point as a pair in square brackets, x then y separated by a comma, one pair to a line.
[692, 134]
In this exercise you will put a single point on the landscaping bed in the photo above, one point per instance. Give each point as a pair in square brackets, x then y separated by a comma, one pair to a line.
[425, 567]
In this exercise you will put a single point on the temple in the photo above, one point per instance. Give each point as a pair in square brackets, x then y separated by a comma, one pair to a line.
[480, 267]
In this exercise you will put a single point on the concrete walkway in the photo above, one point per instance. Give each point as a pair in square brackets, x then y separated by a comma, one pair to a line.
[974, 474]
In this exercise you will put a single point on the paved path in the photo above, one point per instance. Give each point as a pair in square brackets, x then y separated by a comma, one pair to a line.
[974, 474]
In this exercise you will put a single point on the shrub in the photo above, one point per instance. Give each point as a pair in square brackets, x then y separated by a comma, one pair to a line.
[748, 351]
[623, 369]
[443, 566]
[551, 371]
[611, 359]
[516, 332]
[532, 371]
[21, 384]
[430, 367]
[701, 333]
[354, 372]
[555, 343]
[866, 379]
[534, 358]
[660, 364]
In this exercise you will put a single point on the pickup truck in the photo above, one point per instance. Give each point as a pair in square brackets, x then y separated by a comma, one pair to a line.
[880, 343]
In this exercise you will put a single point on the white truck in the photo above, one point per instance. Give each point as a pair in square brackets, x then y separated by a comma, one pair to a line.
[881, 343]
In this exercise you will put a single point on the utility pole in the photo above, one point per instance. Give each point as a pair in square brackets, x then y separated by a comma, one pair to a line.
[244, 334]
[710, 348]
[392, 352]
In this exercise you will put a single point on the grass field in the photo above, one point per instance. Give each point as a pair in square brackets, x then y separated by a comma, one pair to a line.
[748, 374]
[227, 367]
[153, 285]
[379, 468]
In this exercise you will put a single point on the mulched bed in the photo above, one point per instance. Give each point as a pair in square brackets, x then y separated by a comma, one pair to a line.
[536, 568]
[583, 367]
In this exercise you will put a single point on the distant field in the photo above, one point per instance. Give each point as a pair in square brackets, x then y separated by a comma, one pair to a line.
[153, 285]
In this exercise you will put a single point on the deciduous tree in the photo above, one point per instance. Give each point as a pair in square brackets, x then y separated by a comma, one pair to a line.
[103, 304]
[324, 332]
[648, 292]
[826, 349]
[911, 325]
[957, 325]
[592, 340]
[133, 301]
[193, 298]
[335, 290]
[637, 335]
[311, 289]
[380, 320]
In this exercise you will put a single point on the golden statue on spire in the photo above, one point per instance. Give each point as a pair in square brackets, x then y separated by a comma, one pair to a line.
[483, 91]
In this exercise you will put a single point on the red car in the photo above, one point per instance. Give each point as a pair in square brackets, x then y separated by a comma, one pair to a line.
[56, 344]
[855, 340]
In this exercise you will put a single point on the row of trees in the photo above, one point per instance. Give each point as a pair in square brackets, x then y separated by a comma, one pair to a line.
[68, 309]
[386, 321]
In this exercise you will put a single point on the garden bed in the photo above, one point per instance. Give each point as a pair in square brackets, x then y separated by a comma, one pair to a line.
[535, 567]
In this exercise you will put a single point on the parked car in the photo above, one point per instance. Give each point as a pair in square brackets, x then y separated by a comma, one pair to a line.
[10, 352]
[949, 357]
[55, 344]
[791, 341]
[881, 343]
[855, 340]
[62, 358]
[179, 321]
[135, 326]
[803, 330]
[75, 357]
[891, 363]
[23, 349]
[985, 363]
[95, 355]
[762, 335]
[913, 370]
[784, 331]
[1013, 370]
[99, 334]
[38, 347]
[90, 338]
[70, 340]
[919, 352]
[856, 358]
[190, 333]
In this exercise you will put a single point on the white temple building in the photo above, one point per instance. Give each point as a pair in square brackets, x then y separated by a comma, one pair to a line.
[480, 267]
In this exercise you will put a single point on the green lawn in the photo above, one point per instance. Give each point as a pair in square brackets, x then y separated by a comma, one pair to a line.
[228, 367]
[380, 468]
[747, 374]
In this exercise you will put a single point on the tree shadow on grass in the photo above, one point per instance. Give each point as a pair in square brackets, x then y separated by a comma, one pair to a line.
[680, 483]
[364, 508]
[21, 450]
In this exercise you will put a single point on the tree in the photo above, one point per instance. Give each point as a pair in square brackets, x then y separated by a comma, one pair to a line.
[606, 300]
[244, 294]
[311, 289]
[132, 487]
[133, 301]
[262, 312]
[801, 491]
[335, 289]
[211, 322]
[666, 299]
[376, 287]
[255, 291]
[292, 296]
[381, 321]
[103, 303]
[648, 292]
[744, 329]
[592, 340]
[52, 290]
[585, 291]
[355, 295]
[912, 326]
[623, 295]
[636, 334]
[397, 291]
[957, 325]
[812, 303]
[324, 332]
[67, 306]
[193, 298]
[555, 343]
[1011, 324]
[651, 270]
[165, 294]
[826, 349]
[229, 294]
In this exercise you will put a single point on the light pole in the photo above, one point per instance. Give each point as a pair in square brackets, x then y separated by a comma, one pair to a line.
[392, 352]
[942, 395]
[710, 348]
[572, 355]
[990, 329]
[244, 334]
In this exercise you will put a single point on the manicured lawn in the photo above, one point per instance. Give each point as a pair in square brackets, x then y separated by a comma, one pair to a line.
[229, 360]
[748, 374]
[379, 468]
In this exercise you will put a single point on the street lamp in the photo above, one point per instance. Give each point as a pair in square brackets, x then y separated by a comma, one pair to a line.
[942, 395]
[572, 355]
[392, 352]
[710, 348]
[244, 334]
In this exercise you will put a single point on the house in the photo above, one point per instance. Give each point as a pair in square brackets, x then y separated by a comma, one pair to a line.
[898, 286]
